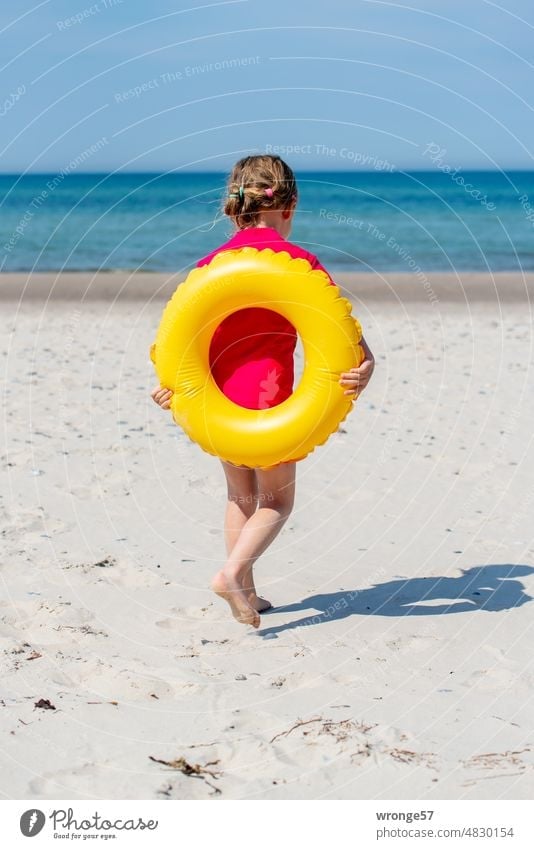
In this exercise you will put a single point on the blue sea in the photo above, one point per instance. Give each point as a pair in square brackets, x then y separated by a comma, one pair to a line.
[354, 221]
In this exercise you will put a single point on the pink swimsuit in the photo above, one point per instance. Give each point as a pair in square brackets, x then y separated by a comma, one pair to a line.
[251, 353]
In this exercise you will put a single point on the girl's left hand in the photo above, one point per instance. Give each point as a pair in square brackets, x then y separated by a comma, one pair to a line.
[162, 396]
[357, 378]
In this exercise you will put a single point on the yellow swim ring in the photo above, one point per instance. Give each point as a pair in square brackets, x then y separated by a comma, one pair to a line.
[235, 280]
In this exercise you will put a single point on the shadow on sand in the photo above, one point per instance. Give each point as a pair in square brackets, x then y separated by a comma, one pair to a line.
[491, 588]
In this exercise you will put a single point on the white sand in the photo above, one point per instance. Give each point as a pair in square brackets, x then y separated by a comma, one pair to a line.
[402, 635]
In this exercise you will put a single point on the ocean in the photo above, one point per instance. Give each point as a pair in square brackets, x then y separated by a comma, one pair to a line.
[353, 221]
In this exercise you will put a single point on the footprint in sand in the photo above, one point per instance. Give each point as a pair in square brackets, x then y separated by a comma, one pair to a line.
[75, 782]
[104, 682]
[175, 622]
[30, 525]
[170, 624]
[119, 571]
[130, 574]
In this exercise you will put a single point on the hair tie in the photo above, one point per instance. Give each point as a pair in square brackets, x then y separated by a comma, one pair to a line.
[269, 193]
[239, 194]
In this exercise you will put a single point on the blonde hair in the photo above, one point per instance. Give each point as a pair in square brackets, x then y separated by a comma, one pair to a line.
[257, 183]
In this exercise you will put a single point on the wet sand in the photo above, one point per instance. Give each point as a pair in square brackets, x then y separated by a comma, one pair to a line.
[388, 288]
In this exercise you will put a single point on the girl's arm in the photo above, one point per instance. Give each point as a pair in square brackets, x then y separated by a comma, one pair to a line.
[357, 378]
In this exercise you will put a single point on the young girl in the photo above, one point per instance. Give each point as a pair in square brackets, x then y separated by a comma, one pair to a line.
[251, 359]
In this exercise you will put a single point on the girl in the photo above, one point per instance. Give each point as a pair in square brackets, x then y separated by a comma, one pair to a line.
[251, 359]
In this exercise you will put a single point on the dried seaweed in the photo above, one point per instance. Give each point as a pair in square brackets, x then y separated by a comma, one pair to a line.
[297, 725]
[193, 770]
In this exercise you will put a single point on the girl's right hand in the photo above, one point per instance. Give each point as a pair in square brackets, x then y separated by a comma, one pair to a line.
[162, 397]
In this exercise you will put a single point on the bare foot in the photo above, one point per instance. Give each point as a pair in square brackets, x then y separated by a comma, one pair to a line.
[257, 602]
[233, 593]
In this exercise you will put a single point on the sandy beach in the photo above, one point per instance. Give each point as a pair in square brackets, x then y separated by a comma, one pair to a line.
[397, 662]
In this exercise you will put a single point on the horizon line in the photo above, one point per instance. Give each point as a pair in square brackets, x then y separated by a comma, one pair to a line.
[303, 171]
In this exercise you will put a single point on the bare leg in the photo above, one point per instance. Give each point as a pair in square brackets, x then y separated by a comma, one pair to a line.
[275, 495]
[241, 504]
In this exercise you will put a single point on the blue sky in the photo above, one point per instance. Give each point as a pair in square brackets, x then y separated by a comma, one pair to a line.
[157, 86]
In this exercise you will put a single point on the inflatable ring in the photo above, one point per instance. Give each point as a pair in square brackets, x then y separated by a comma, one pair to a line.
[235, 280]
